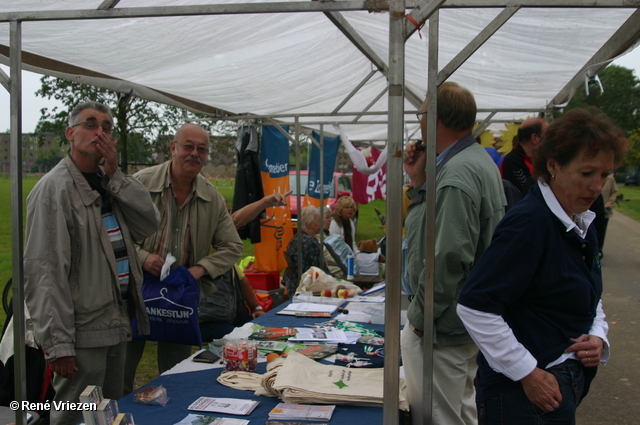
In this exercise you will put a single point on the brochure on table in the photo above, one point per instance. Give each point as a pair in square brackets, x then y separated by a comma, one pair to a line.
[229, 406]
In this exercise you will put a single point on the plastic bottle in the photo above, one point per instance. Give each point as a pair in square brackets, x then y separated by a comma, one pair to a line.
[350, 266]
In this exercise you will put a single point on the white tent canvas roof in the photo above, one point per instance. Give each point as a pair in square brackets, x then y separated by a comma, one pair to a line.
[302, 63]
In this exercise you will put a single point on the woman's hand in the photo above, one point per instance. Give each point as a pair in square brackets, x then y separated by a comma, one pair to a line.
[588, 349]
[542, 389]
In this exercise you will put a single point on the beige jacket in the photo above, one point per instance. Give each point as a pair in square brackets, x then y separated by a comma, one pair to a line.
[210, 221]
[71, 285]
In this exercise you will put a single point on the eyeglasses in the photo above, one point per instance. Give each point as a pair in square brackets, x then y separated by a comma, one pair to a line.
[93, 125]
[189, 148]
[419, 115]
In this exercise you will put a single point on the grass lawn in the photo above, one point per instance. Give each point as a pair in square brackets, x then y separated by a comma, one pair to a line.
[630, 204]
[368, 223]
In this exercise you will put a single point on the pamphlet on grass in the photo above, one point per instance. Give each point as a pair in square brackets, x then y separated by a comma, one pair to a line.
[302, 412]
[230, 406]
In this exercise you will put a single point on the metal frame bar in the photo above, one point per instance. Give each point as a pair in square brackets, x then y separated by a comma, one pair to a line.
[108, 4]
[395, 147]
[345, 27]
[476, 43]
[5, 80]
[430, 218]
[354, 91]
[293, 7]
[359, 113]
[619, 42]
[373, 102]
[483, 125]
[17, 242]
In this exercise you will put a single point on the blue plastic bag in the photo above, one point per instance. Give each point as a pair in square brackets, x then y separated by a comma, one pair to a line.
[172, 306]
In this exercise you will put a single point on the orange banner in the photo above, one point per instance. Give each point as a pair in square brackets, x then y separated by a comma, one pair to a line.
[275, 230]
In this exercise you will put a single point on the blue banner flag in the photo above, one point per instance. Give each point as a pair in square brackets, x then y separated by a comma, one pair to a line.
[274, 155]
[331, 145]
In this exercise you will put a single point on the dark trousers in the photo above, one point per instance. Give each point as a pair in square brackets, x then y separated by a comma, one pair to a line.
[515, 408]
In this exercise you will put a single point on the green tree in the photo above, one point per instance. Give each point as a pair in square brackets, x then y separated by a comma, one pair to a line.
[140, 125]
[632, 159]
[46, 159]
[620, 99]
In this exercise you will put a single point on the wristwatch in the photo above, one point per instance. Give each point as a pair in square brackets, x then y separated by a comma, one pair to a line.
[258, 308]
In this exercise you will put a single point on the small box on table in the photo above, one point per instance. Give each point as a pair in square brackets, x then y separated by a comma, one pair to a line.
[264, 281]
[277, 295]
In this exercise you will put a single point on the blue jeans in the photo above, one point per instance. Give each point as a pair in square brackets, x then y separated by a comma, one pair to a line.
[515, 408]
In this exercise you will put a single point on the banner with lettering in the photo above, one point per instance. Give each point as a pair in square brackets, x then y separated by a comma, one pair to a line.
[331, 145]
[368, 187]
[275, 229]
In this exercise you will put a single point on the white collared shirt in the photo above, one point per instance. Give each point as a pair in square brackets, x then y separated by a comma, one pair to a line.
[495, 338]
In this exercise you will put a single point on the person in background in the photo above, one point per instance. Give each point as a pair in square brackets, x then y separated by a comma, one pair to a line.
[82, 277]
[326, 223]
[343, 223]
[469, 204]
[311, 255]
[516, 166]
[368, 258]
[194, 222]
[610, 195]
[537, 314]
[334, 268]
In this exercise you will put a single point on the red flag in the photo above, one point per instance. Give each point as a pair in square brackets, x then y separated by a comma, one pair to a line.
[368, 187]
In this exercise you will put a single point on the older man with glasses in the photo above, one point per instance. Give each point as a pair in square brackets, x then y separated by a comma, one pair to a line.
[194, 221]
[82, 277]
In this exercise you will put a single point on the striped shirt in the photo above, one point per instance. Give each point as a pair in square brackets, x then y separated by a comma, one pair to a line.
[176, 233]
[113, 231]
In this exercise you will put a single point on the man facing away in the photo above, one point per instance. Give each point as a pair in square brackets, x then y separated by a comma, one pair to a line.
[82, 275]
[469, 204]
[194, 220]
[517, 166]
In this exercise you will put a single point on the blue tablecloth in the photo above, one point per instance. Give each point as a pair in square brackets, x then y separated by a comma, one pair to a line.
[184, 388]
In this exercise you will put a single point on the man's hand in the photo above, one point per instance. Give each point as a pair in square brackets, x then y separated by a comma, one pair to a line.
[415, 161]
[588, 349]
[64, 366]
[107, 149]
[153, 264]
[542, 389]
[197, 271]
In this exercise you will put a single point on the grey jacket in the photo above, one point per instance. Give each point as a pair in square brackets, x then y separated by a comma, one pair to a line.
[71, 284]
[469, 204]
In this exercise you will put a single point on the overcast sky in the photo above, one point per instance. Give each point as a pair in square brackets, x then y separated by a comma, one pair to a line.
[31, 104]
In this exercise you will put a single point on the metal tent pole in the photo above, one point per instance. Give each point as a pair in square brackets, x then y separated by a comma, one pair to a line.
[393, 275]
[16, 218]
[430, 219]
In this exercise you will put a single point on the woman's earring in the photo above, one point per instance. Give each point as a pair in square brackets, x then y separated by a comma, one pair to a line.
[553, 176]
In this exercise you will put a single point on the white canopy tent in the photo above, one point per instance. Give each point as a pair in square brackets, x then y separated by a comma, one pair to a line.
[359, 63]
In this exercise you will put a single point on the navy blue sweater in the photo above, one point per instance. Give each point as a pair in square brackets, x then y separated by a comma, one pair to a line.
[544, 281]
